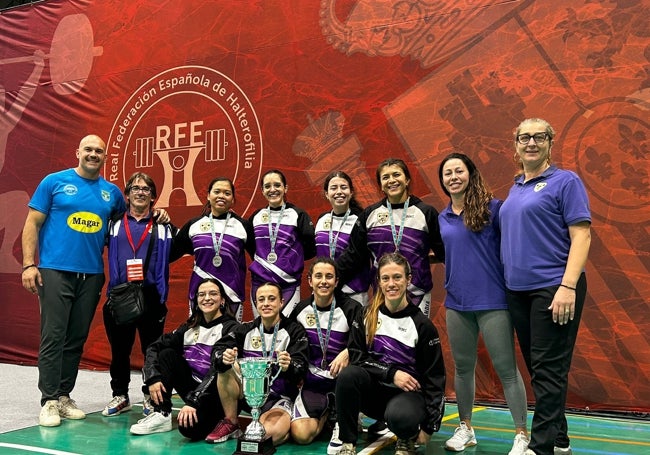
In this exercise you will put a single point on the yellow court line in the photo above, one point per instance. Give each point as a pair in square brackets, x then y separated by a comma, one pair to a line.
[387, 440]
[455, 415]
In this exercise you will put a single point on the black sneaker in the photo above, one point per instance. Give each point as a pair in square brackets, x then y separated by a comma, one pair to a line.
[377, 429]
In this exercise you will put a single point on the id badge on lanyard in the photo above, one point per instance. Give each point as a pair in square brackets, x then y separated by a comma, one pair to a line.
[134, 270]
[135, 266]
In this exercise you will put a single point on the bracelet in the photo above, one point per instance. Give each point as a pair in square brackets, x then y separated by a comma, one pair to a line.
[28, 266]
[568, 287]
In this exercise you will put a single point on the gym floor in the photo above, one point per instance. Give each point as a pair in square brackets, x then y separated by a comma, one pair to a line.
[101, 435]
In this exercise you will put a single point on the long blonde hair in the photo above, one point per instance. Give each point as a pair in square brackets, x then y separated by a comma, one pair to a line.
[372, 311]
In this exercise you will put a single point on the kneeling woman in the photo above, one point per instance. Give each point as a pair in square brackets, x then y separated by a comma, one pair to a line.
[181, 360]
[269, 335]
[396, 370]
[327, 320]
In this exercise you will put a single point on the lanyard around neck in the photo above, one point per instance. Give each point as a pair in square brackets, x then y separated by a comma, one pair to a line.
[268, 353]
[217, 244]
[273, 233]
[397, 236]
[324, 341]
[127, 229]
[333, 239]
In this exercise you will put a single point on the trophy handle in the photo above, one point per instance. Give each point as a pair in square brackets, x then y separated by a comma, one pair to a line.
[275, 376]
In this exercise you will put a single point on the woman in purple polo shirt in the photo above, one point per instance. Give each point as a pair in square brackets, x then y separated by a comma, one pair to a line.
[476, 300]
[545, 238]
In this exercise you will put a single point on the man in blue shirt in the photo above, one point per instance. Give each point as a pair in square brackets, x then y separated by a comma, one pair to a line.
[68, 220]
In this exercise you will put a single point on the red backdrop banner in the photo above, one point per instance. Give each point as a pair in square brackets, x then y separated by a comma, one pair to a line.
[186, 91]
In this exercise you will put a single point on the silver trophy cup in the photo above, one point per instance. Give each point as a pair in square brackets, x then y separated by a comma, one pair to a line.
[256, 385]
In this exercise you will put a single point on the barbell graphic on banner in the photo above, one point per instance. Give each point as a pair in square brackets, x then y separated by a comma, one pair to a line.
[71, 54]
[177, 162]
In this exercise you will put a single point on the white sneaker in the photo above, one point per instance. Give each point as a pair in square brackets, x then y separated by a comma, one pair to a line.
[335, 443]
[562, 450]
[156, 422]
[463, 438]
[117, 406]
[49, 416]
[520, 444]
[147, 405]
[347, 449]
[68, 409]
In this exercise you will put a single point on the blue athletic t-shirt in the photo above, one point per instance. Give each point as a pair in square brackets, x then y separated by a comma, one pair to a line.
[73, 235]
[473, 269]
[535, 220]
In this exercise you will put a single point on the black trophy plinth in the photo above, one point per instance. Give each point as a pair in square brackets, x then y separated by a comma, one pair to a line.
[249, 447]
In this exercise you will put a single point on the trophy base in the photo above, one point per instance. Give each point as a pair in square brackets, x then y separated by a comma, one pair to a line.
[248, 447]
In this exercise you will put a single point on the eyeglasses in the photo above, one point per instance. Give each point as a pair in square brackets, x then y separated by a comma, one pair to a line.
[203, 295]
[539, 138]
[140, 189]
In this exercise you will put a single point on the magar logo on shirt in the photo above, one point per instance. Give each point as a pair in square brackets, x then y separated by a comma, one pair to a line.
[85, 222]
[310, 320]
[182, 127]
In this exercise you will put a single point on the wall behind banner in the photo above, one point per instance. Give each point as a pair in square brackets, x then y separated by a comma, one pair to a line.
[192, 90]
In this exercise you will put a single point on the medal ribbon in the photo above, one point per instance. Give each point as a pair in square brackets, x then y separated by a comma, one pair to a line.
[215, 245]
[397, 237]
[268, 353]
[324, 341]
[127, 229]
[273, 233]
[333, 240]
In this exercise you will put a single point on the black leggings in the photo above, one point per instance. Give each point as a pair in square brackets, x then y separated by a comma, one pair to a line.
[176, 374]
[357, 391]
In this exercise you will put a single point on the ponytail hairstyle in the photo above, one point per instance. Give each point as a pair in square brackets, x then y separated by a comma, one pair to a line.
[207, 208]
[551, 135]
[274, 285]
[372, 310]
[355, 207]
[393, 162]
[323, 260]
